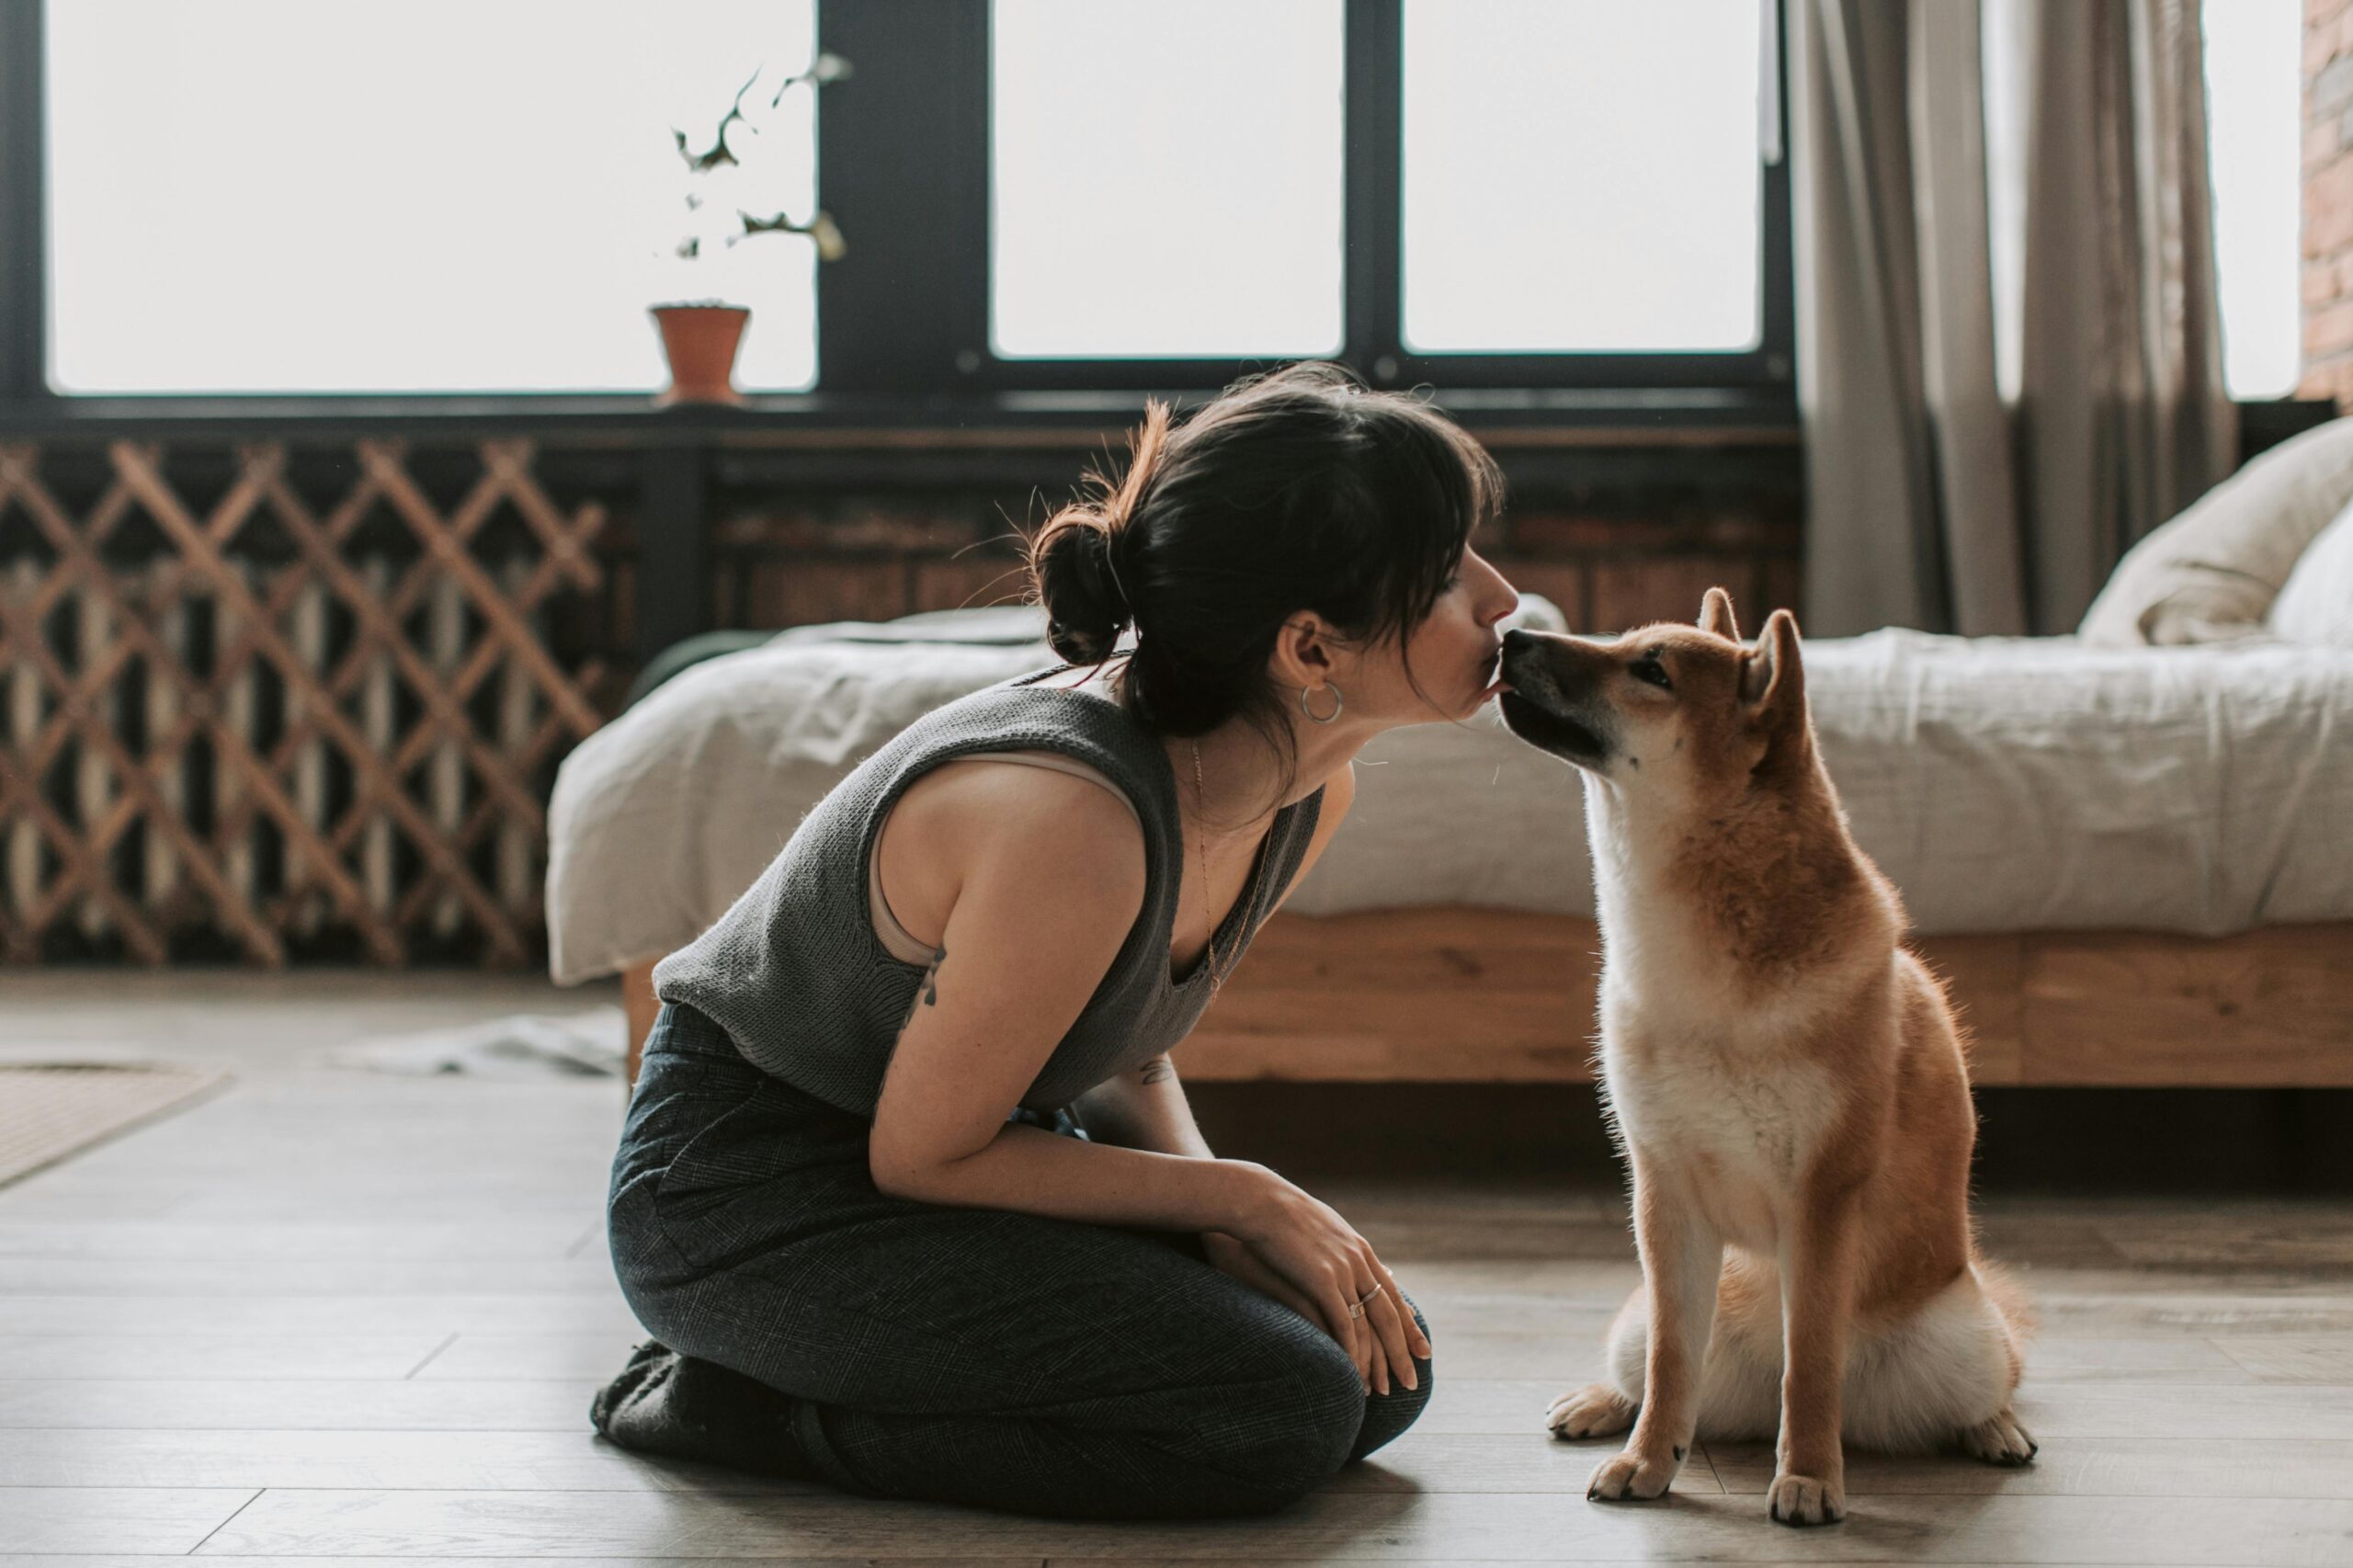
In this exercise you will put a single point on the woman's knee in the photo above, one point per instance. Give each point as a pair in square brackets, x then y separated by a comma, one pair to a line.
[1290, 1414]
[1388, 1415]
[1310, 1414]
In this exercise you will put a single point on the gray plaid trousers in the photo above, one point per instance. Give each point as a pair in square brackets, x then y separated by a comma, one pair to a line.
[964, 1355]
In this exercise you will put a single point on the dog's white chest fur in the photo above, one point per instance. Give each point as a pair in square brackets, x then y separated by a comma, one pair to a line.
[1695, 1077]
[1740, 1127]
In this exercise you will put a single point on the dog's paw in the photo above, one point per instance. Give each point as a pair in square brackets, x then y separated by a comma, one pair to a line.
[1804, 1500]
[1596, 1410]
[2000, 1441]
[1630, 1477]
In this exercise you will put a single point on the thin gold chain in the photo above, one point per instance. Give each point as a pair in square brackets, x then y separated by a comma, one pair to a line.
[1208, 904]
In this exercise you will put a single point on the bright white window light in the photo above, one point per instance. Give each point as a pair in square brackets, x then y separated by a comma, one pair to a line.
[2255, 141]
[1581, 176]
[326, 196]
[1167, 180]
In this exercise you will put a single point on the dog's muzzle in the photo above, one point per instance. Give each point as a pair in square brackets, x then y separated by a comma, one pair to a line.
[1549, 704]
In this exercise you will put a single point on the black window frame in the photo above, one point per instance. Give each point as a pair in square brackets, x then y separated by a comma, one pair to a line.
[903, 318]
[933, 229]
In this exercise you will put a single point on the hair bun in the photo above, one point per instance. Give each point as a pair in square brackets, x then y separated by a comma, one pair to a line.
[1085, 607]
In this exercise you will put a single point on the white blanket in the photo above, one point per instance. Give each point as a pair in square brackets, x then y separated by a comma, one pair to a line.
[2004, 784]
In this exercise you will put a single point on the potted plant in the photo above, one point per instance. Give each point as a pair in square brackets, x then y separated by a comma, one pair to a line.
[700, 334]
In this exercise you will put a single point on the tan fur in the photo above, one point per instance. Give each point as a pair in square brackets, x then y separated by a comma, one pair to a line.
[1788, 1081]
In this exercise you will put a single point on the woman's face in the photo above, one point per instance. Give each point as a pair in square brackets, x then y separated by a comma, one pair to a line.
[1452, 654]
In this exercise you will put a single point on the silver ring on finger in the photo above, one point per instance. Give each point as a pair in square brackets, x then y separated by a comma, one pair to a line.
[1376, 1292]
[1356, 1309]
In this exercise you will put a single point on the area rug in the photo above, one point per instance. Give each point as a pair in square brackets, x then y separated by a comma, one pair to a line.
[49, 1110]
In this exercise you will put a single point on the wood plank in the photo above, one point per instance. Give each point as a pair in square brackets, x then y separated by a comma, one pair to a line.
[329, 1276]
[1453, 994]
[1477, 995]
[2108, 1467]
[271, 1357]
[1507, 1406]
[1369, 1526]
[2052, 1358]
[1569, 1349]
[520, 1358]
[862, 1560]
[586, 1312]
[1532, 1461]
[193, 1405]
[2312, 1238]
[2091, 1313]
[1982, 975]
[390, 1239]
[2263, 1009]
[2293, 1358]
[379, 1460]
[144, 1519]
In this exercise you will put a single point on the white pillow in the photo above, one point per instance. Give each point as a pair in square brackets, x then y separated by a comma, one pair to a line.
[2315, 605]
[2211, 573]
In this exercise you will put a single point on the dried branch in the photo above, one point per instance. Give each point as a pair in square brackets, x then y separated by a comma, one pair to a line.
[703, 163]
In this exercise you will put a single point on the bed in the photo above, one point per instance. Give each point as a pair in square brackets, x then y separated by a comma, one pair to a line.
[2133, 865]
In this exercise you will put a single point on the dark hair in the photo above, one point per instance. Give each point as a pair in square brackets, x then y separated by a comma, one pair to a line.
[1295, 491]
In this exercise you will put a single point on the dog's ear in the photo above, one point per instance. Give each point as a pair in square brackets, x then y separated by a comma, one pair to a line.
[1772, 679]
[1715, 615]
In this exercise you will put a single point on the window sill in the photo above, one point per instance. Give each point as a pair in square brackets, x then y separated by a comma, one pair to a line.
[1564, 417]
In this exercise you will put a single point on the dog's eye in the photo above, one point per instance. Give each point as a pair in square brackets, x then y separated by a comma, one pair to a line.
[1649, 667]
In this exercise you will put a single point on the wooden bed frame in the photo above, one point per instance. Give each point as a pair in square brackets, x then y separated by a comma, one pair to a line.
[1495, 997]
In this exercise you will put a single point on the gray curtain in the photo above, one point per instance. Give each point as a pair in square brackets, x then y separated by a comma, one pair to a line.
[1935, 502]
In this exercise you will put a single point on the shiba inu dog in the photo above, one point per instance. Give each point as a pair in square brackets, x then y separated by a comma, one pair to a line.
[1787, 1083]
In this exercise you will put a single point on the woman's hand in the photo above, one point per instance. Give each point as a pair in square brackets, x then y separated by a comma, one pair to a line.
[1297, 1249]
[1231, 1255]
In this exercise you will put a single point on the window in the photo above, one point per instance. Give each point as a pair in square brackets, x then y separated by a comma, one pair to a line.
[1513, 194]
[2254, 143]
[1165, 182]
[282, 195]
[1582, 175]
[1051, 196]
[2253, 52]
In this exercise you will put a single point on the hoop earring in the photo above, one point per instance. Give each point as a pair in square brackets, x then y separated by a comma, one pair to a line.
[1337, 702]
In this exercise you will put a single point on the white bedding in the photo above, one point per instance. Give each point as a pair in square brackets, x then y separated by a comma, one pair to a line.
[2004, 784]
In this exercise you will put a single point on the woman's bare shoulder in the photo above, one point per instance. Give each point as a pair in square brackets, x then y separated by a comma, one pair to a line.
[1033, 830]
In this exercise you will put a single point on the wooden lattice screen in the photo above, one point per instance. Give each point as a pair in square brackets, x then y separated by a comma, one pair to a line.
[271, 703]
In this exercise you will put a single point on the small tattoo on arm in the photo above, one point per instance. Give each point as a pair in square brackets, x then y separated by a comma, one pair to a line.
[1159, 1070]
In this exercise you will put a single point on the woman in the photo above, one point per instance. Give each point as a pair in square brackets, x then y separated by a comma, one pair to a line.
[909, 1194]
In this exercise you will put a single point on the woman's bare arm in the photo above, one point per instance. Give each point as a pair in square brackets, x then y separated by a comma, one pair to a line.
[1048, 877]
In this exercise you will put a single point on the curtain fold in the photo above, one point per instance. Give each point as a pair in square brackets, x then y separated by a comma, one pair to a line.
[1933, 504]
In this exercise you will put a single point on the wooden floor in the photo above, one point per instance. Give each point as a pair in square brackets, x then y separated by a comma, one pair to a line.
[333, 1315]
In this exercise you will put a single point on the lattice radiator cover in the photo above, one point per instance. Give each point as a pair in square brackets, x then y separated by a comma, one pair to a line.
[271, 719]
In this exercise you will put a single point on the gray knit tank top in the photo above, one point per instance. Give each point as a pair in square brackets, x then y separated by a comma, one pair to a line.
[796, 975]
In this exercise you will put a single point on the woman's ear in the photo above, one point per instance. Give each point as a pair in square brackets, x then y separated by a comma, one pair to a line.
[1306, 650]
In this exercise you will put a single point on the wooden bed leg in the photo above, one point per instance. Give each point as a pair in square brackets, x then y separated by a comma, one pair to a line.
[640, 1004]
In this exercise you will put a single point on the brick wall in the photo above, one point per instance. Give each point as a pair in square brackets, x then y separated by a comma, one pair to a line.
[1617, 536]
[2329, 200]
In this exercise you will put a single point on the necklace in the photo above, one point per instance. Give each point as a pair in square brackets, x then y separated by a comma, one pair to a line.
[1216, 979]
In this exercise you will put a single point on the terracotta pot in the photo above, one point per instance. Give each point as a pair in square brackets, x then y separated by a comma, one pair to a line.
[700, 342]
